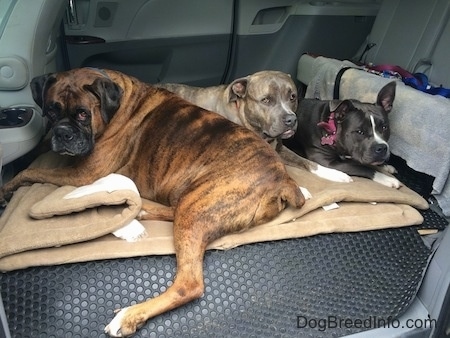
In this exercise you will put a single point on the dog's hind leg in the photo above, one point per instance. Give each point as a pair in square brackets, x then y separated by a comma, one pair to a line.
[190, 243]
[199, 220]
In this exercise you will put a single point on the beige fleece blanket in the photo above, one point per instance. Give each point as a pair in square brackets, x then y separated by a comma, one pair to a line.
[40, 227]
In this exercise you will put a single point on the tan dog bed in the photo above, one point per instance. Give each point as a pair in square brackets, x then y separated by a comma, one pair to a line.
[80, 229]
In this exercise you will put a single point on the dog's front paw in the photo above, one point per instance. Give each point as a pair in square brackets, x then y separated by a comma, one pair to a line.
[386, 180]
[123, 324]
[332, 174]
[387, 168]
[141, 215]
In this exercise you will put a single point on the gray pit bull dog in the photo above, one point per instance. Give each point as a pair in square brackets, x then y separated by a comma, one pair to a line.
[264, 102]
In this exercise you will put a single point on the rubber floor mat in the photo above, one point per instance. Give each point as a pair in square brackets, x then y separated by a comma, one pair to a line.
[300, 287]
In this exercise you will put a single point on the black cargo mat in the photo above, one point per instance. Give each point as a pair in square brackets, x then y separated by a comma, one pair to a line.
[285, 288]
[321, 286]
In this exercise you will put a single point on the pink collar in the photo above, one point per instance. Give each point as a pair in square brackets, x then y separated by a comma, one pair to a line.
[330, 128]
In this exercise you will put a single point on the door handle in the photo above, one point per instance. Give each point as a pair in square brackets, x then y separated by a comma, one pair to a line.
[83, 39]
[72, 14]
[271, 16]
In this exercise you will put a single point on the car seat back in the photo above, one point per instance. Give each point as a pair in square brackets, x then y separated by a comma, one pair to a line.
[405, 33]
[28, 47]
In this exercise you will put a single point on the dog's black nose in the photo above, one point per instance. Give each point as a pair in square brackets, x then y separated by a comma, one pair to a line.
[63, 133]
[381, 149]
[290, 120]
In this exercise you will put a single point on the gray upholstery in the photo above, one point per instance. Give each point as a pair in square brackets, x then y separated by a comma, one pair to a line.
[409, 33]
[405, 30]
[439, 65]
[412, 34]
[28, 48]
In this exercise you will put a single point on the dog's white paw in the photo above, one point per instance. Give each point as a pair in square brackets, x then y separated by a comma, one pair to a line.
[305, 193]
[141, 215]
[131, 232]
[114, 328]
[386, 180]
[332, 174]
[387, 168]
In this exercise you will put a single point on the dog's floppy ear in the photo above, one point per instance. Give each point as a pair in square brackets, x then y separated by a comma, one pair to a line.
[386, 96]
[237, 89]
[109, 94]
[38, 86]
[340, 108]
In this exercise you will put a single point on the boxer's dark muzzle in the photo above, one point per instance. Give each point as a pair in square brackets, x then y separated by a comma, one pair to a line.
[69, 139]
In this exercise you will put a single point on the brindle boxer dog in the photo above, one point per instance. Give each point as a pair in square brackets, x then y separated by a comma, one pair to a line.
[212, 176]
[264, 102]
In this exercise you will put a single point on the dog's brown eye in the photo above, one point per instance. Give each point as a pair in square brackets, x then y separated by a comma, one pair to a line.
[82, 115]
[359, 132]
[265, 100]
[293, 97]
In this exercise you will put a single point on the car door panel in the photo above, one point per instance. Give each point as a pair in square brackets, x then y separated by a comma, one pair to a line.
[272, 34]
[158, 40]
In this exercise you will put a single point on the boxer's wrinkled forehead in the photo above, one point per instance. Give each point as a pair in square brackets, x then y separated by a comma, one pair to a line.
[80, 76]
[64, 94]
[62, 103]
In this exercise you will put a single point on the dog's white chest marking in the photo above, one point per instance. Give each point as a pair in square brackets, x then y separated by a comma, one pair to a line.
[376, 136]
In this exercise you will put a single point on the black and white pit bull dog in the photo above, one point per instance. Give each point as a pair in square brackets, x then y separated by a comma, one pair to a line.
[349, 135]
